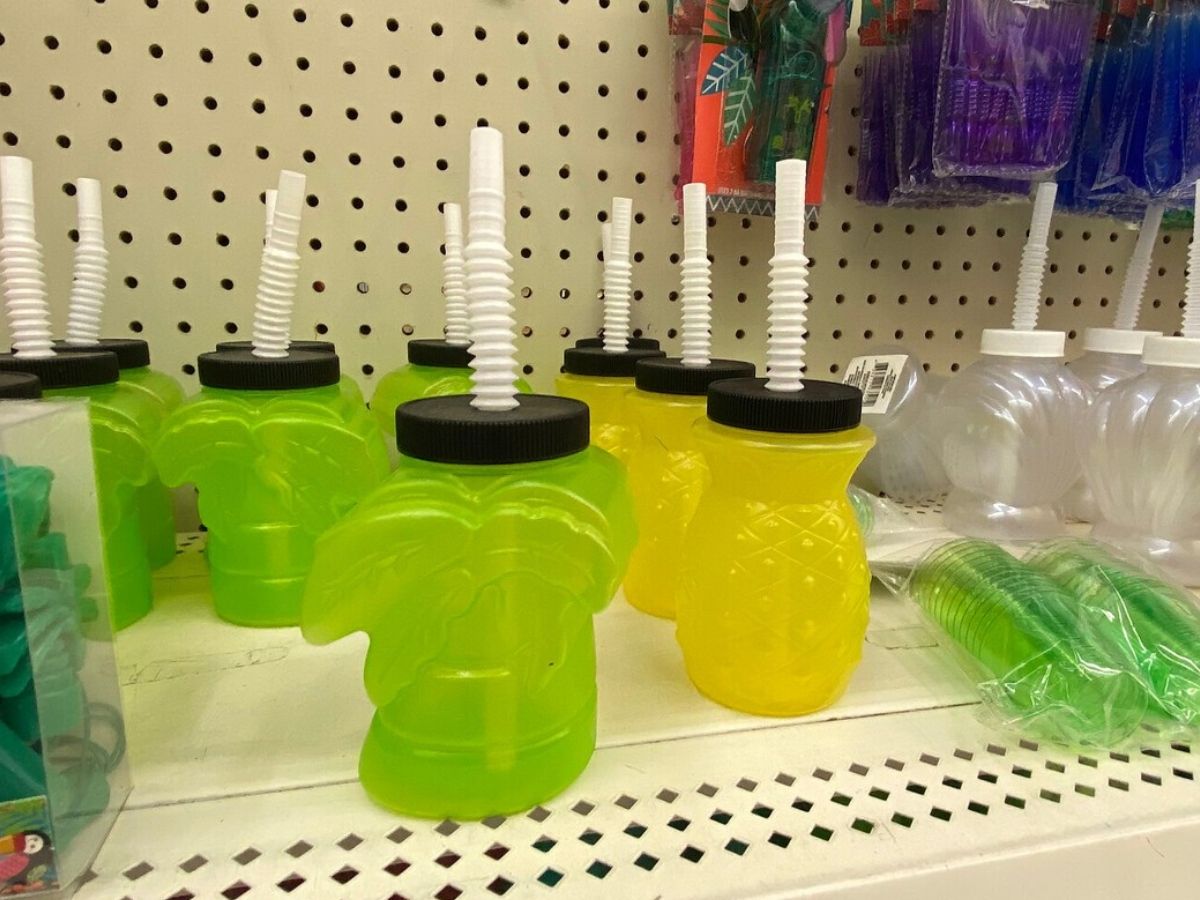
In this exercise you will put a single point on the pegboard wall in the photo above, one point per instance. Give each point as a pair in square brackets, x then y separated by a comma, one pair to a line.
[187, 109]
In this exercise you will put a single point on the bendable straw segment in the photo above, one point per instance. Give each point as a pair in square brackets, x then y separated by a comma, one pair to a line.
[489, 278]
[1191, 308]
[1138, 273]
[454, 278]
[618, 278]
[697, 281]
[25, 302]
[787, 313]
[86, 309]
[280, 270]
[1033, 260]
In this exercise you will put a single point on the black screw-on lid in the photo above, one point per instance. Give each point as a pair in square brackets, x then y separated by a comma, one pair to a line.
[598, 362]
[241, 370]
[132, 353]
[66, 370]
[19, 386]
[671, 376]
[635, 343]
[821, 407]
[450, 430]
[314, 346]
[441, 354]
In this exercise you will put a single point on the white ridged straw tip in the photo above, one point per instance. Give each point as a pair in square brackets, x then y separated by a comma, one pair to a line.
[87, 197]
[16, 179]
[487, 160]
[289, 195]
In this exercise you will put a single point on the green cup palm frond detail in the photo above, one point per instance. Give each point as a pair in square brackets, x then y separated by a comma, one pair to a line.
[208, 441]
[432, 544]
[122, 454]
[303, 455]
[304, 462]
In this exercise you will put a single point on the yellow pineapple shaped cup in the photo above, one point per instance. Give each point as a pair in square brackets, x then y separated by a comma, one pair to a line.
[775, 587]
[667, 471]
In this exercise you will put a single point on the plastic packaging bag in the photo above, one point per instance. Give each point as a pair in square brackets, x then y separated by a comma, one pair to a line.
[1011, 79]
[1151, 625]
[686, 25]
[1043, 669]
[765, 75]
[887, 527]
[876, 143]
[1128, 85]
[916, 81]
[1171, 160]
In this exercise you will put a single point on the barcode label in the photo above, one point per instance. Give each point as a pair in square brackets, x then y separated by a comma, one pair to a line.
[876, 377]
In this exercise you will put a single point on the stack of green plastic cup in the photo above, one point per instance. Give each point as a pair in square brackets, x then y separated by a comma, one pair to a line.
[1021, 629]
[1150, 625]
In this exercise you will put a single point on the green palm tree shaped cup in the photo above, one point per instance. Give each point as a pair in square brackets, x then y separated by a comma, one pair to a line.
[476, 576]
[163, 394]
[274, 469]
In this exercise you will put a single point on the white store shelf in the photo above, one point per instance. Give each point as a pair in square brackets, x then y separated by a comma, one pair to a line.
[244, 744]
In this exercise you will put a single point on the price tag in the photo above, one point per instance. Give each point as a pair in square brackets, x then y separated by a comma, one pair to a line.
[877, 377]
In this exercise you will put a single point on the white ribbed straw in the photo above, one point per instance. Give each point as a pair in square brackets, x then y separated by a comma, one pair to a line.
[280, 270]
[454, 278]
[270, 198]
[1033, 259]
[86, 309]
[21, 262]
[789, 280]
[618, 278]
[1138, 273]
[697, 282]
[489, 278]
[1191, 309]
[605, 250]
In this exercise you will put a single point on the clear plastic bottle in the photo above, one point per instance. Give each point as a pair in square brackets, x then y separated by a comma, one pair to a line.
[1109, 355]
[603, 380]
[905, 463]
[667, 473]
[278, 454]
[162, 394]
[121, 420]
[476, 570]
[1141, 458]
[1011, 422]
[774, 604]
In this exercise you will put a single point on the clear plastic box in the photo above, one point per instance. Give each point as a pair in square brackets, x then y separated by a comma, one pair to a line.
[63, 774]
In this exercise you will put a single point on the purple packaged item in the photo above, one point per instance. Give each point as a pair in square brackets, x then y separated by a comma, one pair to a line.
[1010, 83]
[876, 143]
[917, 80]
